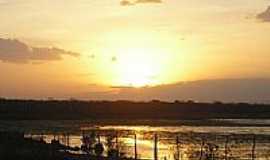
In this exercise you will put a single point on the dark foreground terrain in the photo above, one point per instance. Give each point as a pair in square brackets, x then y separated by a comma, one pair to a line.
[101, 110]
[14, 146]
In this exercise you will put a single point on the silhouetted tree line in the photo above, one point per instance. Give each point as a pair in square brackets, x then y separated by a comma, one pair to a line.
[13, 146]
[74, 109]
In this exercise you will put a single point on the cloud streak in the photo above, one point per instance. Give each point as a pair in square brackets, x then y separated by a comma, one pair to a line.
[226, 90]
[15, 51]
[134, 2]
[265, 16]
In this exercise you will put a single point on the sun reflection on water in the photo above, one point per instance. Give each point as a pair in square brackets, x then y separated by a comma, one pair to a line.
[170, 145]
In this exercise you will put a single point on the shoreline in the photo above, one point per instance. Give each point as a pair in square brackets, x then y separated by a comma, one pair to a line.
[152, 123]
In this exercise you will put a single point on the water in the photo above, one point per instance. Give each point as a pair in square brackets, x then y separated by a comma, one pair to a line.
[173, 142]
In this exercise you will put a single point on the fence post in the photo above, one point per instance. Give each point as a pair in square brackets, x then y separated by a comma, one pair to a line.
[201, 152]
[253, 147]
[226, 147]
[117, 145]
[68, 139]
[155, 147]
[178, 148]
[135, 146]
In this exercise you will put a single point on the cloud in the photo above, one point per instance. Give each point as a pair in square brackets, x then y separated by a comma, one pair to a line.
[134, 2]
[226, 90]
[122, 87]
[148, 1]
[15, 51]
[126, 3]
[114, 59]
[265, 16]
[92, 56]
[3, 2]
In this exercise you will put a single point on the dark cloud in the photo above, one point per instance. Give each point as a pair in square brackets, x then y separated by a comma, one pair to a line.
[114, 59]
[265, 16]
[121, 87]
[15, 51]
[133, 2]
[148, 1]
[92, 56]
[126, 3]
[226, 90]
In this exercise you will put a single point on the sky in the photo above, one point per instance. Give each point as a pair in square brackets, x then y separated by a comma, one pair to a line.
[83, 48]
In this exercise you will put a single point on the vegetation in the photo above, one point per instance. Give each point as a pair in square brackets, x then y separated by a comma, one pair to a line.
[97, 110]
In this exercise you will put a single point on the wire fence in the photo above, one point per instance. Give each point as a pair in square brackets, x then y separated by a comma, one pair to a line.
[171, 146]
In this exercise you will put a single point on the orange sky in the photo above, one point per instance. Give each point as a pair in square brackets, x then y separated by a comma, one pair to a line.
[69, 48]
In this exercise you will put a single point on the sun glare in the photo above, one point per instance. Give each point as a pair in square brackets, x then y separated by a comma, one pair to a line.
[137, 68]
[139, 58]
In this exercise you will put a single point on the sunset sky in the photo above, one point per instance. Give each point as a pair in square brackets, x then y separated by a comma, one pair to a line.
[78, 48]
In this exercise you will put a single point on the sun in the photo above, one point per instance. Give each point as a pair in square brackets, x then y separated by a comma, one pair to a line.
[137, 68]
[137, 74]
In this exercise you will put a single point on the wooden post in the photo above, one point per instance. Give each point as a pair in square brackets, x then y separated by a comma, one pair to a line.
[117, 146]
[99, 141]
[41, 137]
[178, 148]
[201, 152]
[68, 139]
[253, 148]
[226, 147]
[135, 146]
[155, 147]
